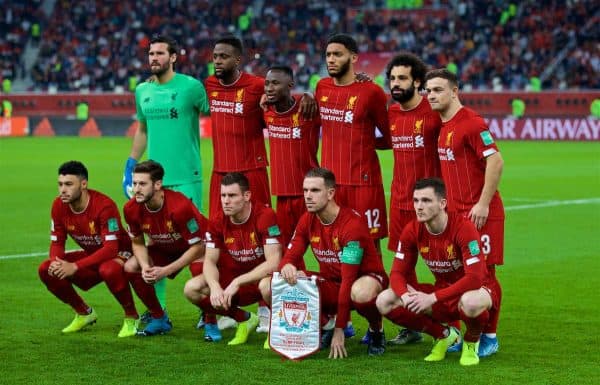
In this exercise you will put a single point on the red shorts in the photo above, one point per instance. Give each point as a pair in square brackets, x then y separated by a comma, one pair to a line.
[398, 219]
[492, 241]
[246, 295]
[368, 201]
[160, 258]
[289, 211]
[259, 186]
[329, 291]
[87, 277]
[447, 311]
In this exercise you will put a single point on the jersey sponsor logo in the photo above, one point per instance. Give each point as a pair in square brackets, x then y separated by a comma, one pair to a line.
[113, 225]
[443, 266]
[348, 117]
[274, 231]
[486, 136]
[352, 253]
[87, 240]
[474, 248]
[296, 133]
[418, 127]
[450, 253]
[446, 154]
[419, 141]
[92, 226]
[173, 114]
[192, 225]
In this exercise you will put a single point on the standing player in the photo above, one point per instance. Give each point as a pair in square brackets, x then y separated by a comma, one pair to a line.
[92, 220]
[174, 228]
[168, 112]
[237, 126]
[463, 289]
[471, 167]
[349, 263]
[293, 142]
[414, 129]
[242, 248]
[350, 114]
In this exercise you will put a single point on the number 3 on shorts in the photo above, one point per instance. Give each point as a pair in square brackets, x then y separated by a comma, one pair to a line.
[486, 244]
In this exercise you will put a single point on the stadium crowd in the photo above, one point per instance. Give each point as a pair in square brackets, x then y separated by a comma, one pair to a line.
[101, 45]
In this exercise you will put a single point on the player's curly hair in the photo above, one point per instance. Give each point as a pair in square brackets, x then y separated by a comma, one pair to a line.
[418, 68]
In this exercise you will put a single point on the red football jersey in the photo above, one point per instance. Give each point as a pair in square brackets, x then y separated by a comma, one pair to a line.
[344, 250]
[453, 256]
[172, 229]
[293, 144]
[237, 123]
[349, 116]
[242, 245]
[463, 145]
[414, 136]
[97, 230]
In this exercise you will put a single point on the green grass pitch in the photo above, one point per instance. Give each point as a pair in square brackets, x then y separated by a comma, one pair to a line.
[548, 329]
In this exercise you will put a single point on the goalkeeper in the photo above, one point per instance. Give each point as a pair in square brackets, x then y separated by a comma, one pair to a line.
[168, 111]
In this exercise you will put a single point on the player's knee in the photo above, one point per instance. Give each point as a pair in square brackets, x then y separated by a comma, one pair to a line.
[471, 304]
[265, 289]
[131, 266]
[384, 301]
[109, 269]
[193, 289]
[43, 271]
[362, 291]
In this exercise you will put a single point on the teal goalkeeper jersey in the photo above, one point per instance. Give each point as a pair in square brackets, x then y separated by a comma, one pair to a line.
[171, 113]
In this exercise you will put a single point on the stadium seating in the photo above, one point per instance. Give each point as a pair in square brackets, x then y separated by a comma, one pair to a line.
[101, 45]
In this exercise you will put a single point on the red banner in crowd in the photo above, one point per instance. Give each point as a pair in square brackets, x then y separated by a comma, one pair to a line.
[15, 126]
[584, 129]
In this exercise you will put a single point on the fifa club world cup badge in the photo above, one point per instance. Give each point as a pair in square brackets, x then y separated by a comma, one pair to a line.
[295, 315]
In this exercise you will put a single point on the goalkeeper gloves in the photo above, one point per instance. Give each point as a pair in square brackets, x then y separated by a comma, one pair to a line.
[128, 177]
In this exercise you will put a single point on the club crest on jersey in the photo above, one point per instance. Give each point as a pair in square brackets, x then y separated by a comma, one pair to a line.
[450, 251]
[351, 102]
[449, 138]
[336, 244]
[253, 238]
[296, 119]
[418, 126]
[92, 226]
[169, 225]
[239, 98]
[294, 315]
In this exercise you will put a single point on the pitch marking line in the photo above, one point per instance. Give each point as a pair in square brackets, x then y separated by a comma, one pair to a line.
[508, 208]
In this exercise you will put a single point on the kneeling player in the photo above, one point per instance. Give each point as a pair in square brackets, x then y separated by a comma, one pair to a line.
[93, 222]
[463, 289]
[174, 228]
[242, 249]
[350, 267]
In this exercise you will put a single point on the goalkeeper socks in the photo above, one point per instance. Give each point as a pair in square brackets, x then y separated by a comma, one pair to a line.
[161, 292]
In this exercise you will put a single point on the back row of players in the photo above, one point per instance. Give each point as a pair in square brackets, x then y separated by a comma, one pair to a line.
[355, 121]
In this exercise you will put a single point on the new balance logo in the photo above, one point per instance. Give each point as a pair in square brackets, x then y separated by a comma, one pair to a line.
[419, 141]
[146, 100]
[239, 108]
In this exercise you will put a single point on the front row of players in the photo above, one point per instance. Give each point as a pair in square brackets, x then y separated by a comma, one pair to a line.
[232, 257]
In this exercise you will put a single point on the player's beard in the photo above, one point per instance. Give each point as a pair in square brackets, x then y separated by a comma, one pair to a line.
[161, 70]
[144, 198]
[344, 68]
[225, 74]
[74, 198]
[406, 95]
